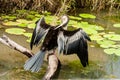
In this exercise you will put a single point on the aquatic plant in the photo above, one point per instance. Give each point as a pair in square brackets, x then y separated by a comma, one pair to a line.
[31, 25]
[117, 25]
[85, 15]
[114, 37]
[10, 23]
[105, 40]
[16, 31]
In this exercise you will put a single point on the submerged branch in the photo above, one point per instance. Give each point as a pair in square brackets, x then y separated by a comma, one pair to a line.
[53, 62]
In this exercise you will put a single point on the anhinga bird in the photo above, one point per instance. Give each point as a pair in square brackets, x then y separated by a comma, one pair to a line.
[68, 42]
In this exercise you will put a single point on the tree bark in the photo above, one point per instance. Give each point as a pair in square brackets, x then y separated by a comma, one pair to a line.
[53, 62]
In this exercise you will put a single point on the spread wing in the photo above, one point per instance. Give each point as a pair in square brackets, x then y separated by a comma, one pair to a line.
[40, 30]
[70, 42]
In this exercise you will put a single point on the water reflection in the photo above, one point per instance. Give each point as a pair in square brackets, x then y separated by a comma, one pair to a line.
[112, 67]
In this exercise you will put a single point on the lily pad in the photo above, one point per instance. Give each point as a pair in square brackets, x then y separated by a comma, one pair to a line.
[10, 23]
[72, 23]
[31, 26]
[21, 11]
[117, 52]
[33, 12]
[96, 37]
[96, 27]
[75, 18]
[38, 15]
[116, 46]
[109, 51]
[50, 19]
[22, 25]
[105, 42]
[23, 21]
[116, 25]
[35, 19]
[30, 17]
[112, 51]
[16, 31]
[85, 15]
[28, 40]
[106, 46]
[115, 37]
[47, 13]
[8, 17]
[90, 31]
[29, 35]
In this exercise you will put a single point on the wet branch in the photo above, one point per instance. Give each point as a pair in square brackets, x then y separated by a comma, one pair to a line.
[53, 62]
[8, 42]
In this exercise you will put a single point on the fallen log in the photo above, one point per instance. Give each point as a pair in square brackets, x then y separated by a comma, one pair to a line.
[10, 43]
[53, 62]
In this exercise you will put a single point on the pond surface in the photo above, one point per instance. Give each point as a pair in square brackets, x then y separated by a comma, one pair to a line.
[101, 65]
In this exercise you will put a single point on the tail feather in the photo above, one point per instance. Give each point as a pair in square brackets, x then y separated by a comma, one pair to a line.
[35, 62]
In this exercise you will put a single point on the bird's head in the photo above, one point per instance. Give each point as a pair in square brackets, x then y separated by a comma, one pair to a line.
[64, 22]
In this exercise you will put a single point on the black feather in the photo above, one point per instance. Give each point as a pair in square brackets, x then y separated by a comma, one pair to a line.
[74, 42]
[40, 30]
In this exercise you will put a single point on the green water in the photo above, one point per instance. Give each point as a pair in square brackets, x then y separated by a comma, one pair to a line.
[101, 65]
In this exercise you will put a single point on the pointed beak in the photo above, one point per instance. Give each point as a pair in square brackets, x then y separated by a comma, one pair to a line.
[57, 27]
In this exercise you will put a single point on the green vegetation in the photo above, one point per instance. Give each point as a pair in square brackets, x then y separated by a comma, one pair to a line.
[117, 25]
[16, 31]
[87, 16]
[59, 6]
[18, 18]
[104, 39]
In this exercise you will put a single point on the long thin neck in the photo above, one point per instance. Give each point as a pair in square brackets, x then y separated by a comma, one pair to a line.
[64, 23]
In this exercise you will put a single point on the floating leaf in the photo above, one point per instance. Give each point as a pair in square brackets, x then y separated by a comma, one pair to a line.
[33, 12]
[92, 45]
[106, 45]
[112, 51]
[28, 35]
[23, 21]
[21, 11]
[38, 15]
[30, 16]
[22, 25]
[96, 27]
[90, 31]
[17, 31]
[85, 15]
[109, 51]
[111, 32]
[46, 13]
[31, 26]
[116, 46]
[50, 19]
[102, 33]
[10, 23]
[28, 40]
[117, 52]
[115, 37]
[8, 17]
[116, 25]
[105, 42]
[72, 23]
[35, 19]
[75, 18]
[96, 37]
